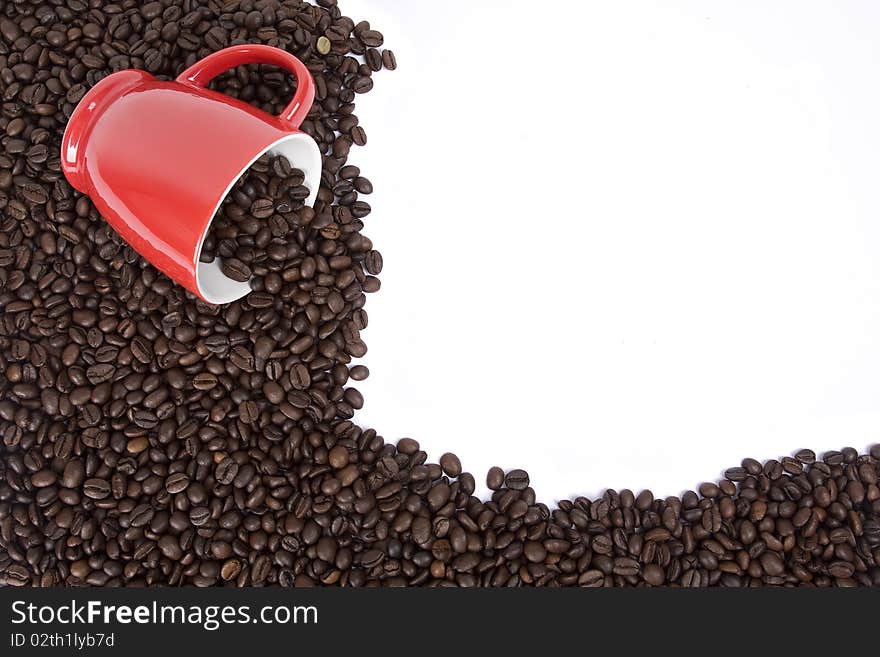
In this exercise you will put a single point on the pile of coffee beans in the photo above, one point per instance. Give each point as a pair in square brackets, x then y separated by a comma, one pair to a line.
[252, 231]
[148, 438]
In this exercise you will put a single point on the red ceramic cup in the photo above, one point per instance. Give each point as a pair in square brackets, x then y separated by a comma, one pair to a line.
[158, 158]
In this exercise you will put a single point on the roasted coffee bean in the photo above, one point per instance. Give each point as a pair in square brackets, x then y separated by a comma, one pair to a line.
[73, 475]
[371, 38]
[100, 373]
[359, 373]
[451, 464]
[735, 474]
[591, 578]
[358, 136]
[43, 478]
[373, 263]
[339, 457]
[96, 488]
[176, 483]
[389, 61]
[262, 208]
[16, 575]
[771, 563]
[205, 381]
[249, 412]
[230, 569]
[517, 479]
[137, 445]
[300, 379]
[841, 569]
[199, 515]
[236, 269]
[495, 478]
[226, 471]
[362, 85]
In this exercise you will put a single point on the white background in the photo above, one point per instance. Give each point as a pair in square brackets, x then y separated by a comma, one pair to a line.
[626, 245]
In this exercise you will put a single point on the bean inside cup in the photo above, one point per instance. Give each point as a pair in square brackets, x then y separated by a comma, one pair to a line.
[251, 231]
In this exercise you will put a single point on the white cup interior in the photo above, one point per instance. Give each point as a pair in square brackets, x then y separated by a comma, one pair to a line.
[303, 154]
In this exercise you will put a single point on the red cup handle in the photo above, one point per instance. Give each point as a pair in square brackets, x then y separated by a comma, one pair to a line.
[205, 70]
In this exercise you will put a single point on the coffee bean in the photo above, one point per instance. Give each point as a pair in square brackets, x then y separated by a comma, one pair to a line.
[451, 464]
[373, 59]
[625, 566]
[653, 575]
[535, 552]
[141, 350]
[517, 479]
[226, 471]
[242, 358]
[752, 466]
[359, 373]
[137, 445]
[74, 474]
[372, 558]
[100, 373]
[806, 456]
[249, 412]
[300, 379]
[326, 549]
[16, 575]
[841, 569]
[43, 478]
[389, 61]
[235, 269]
[495, 478]
[96, 488]
[362, 85]
[230, 569]
[373, 262]
[358, 136]
[33, 193]
[771, 563]
[140, 515]
[372, 38]
[262, 208]
[169, 546]
[339, 457]
[591, 578]
[205, 381]
[199, 515]
[176, 483]
[735, 474]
